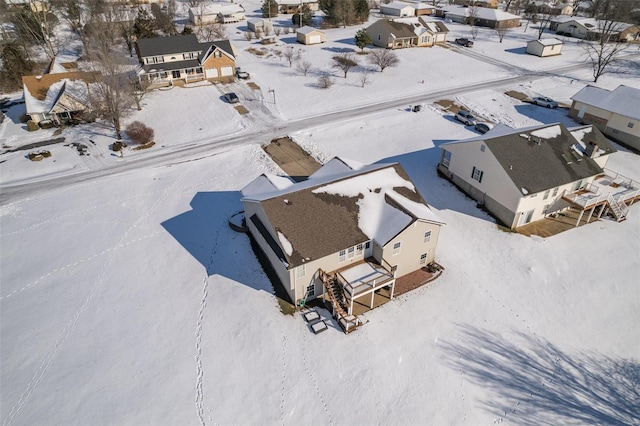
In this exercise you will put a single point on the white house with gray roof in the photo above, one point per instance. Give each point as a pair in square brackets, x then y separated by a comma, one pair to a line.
[524, 175]
[345, 234]
[183, 59]
[615, 112]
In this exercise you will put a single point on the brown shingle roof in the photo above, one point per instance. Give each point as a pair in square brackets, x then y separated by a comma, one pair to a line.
[38, 86]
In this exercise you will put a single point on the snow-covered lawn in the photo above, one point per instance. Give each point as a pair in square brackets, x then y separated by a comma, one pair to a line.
[129, 300]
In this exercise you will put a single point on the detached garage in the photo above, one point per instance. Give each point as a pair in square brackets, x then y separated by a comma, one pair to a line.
[544, 47]
[310, 35]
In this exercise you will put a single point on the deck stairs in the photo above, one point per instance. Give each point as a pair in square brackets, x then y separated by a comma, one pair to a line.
[336, 296]
[618, 209]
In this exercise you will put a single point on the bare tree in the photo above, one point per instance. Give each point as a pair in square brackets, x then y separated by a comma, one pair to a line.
[111, 96]
[35, 22]
[473, 20]
[383, 58]
[502, 31]
[543, 23]
[304, 67]
[138, 89]
[211, 32]
[344, 62]
[606, 45]
[194, 3]
[291, 55]
[365, 77]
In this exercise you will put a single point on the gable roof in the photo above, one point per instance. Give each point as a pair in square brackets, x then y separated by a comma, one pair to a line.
[623, 100]
[481, 13]
[342, 208]
[41, 92]
[307, 30]
[547, 41]
[396, 6]
[540, 157]
[157, 46]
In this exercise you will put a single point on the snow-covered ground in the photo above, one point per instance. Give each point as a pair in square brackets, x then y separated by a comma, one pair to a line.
[129, 300]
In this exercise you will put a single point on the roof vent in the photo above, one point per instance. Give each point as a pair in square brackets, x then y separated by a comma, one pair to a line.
[287, 202]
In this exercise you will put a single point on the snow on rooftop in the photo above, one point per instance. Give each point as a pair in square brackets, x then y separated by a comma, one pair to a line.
[266, 182]
[285, 243]
[377, 219]
[419, 210]
[623, 100]
[548, 132]
[547, 41]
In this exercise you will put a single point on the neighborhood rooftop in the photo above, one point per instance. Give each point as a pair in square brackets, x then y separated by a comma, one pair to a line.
[338, 209]
[623, 100]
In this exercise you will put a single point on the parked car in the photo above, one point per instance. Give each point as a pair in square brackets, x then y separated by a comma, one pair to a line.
[464, 42]
[231, 97]
[466, 117]
[545, 102]
[483, 127]
[242, 74]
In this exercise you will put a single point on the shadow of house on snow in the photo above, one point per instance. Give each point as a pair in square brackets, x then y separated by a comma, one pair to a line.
[532, 382]
[205, 234]
[437, 191]
[517, 50]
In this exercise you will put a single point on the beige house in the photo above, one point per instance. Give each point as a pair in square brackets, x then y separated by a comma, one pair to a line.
[310, 35]
[183, 59]
[545, 47]
[345, 234]
[524, 175]
[58, 98]
[408, 32]
[397, 9]
[483, 16]
[289, 7]
[616, 113]
[216, 12]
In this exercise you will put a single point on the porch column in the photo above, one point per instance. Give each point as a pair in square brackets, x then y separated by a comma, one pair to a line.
[579, 217]
[393, 287]
[350, 306]
[373, 293]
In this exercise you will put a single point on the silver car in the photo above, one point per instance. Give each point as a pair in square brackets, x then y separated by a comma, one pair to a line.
[545, 102]
[466, 117]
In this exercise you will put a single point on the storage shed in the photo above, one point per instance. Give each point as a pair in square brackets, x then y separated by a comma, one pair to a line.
[310, 35]
[544, 47]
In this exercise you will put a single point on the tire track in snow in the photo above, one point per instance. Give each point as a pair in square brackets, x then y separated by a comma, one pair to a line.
[70, 265]
[67, 331]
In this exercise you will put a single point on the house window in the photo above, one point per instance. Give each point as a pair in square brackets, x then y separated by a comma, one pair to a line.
[175, 74]
[378, 36]
[546, 194]
[446, 158]
[342, 256]
[482, 148]
[311, 290]
[396, 248]
[630, 125]
[216, 54]
[555, 191]
[367, 245]
[427, 236]
[351, 252]
[423, 259]
[425, 39]
[188, 55]
[300, 271]
[477, 174]
[359, 249]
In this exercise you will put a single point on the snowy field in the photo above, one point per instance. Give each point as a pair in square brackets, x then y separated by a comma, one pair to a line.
[128, 299]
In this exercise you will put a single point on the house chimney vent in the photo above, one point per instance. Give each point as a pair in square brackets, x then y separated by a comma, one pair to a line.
[287, 202]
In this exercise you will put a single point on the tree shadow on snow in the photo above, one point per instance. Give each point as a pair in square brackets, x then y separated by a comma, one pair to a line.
[205, 234]
[532, 382]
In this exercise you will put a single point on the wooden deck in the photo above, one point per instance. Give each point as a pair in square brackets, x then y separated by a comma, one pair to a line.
[550, 226]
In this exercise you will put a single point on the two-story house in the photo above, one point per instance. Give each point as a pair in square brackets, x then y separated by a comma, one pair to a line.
[345, 233]
[183, 59]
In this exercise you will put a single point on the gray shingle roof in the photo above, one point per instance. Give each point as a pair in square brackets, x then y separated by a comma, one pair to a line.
[542, 157]
[157, 46]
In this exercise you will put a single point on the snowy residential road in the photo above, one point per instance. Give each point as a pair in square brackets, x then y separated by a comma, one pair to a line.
[265, 131]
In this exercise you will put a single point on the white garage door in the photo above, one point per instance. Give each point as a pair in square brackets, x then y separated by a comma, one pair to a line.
[315, 39]
[211, 72]
[227, 71]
